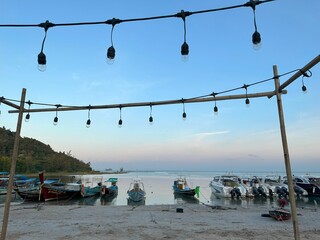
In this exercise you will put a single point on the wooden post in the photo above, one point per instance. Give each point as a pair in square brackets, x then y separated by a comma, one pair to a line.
[286, 156]
[13, 167]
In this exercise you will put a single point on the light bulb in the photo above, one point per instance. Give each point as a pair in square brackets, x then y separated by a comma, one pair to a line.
[247, 102]
[215, 110]
[150, 120]
[27, 117]
[88, 123]
[184, 116]
[304, 89]
[55, 121]
[185, 52]
[42, 61]
[120, 123]
[256, 40]
[111, 53]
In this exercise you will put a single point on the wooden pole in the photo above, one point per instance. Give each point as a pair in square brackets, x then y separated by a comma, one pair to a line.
[13, 167]
[286, 156]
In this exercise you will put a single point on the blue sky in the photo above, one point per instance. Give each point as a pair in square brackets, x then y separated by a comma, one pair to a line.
[148, 68]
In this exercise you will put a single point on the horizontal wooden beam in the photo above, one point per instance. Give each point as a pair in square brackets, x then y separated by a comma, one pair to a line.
[155, 103]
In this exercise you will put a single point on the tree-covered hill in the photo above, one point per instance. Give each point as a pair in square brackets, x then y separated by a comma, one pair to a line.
[35, 156]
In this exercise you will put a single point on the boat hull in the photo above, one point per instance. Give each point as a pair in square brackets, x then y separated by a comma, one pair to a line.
[59, 193]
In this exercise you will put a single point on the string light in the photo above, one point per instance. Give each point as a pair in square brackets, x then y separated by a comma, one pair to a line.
[28, 113]
[120, 119]
[305, 74]
[42, 60]
[185, 46]
[88, 123]
[111, 52]
[150, 118]
[215, 109]
[256, 37]
[203, 98]
[55, 120]
[184, 115]
[247, 99]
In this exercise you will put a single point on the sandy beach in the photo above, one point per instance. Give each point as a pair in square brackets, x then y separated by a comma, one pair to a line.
[45, 221]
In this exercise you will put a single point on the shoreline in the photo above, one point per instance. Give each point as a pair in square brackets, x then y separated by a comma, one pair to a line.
[197, 221]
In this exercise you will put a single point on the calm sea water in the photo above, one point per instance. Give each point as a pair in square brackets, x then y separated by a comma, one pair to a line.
[158, 186]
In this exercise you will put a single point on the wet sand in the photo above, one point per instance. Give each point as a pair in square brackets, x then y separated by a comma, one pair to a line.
[197, 221]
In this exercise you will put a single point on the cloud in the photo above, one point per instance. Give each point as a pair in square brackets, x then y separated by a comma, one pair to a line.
[208, 134]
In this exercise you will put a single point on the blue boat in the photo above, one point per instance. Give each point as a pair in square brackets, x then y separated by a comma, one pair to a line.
[136, 192]
[110, 189]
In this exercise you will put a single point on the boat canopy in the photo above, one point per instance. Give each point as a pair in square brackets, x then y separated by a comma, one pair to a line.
[112, 180]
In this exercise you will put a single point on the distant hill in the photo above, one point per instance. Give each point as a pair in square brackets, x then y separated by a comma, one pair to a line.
[35, 156]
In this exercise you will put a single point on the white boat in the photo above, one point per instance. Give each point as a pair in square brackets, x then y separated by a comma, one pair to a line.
[227, 186]
[255, 187]
[136, 191]
[276, 186]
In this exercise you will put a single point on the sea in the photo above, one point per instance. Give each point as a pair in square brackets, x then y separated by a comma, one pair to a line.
[158, 187]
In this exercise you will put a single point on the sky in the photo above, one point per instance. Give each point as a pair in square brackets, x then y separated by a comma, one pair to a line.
[148, 68]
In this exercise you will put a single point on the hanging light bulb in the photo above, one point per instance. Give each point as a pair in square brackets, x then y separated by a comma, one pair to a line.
[304, 88]
[215, 110]
[185, 52]
[111, 52]
[150, 118]
[256, 37]
[247, 99]
[27, 117]
[55, 120]
[88, 123]
[42, 60]
[308, 74]
[256, 40]
[184, 115]
[184, 46]
[28, 114]
[247, 102]
[120, 123]
[120, 119]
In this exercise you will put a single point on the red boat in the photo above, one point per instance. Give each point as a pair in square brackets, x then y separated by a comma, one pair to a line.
[61, 191]
[280, 214]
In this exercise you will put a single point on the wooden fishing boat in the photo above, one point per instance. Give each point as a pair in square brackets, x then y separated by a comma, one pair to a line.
[33, 192]
[60, 191]
[280, 214]
[181, 187]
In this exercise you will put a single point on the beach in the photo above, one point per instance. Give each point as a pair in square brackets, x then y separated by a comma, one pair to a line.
[196, 221]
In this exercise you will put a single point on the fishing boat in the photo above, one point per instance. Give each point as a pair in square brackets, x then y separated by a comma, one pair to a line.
[33, 192]
[59, 191]
[227, 186]
[181, 187]
[90, 191]
[110, 189]
[136, 191]
[280, 214]
[31, 189]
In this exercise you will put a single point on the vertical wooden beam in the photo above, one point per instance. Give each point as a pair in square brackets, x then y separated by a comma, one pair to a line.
[286, 156]
[13, 167]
